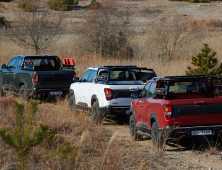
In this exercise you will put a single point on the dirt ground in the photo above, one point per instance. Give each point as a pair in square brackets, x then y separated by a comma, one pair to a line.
[186, 156]
[145, 13]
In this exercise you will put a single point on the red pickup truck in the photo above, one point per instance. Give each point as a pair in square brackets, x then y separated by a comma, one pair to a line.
[182, 106]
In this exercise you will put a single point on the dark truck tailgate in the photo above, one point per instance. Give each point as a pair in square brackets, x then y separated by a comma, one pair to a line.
[203, 111]
[55, 79]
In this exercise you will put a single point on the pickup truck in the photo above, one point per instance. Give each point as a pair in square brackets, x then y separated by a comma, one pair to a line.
[106, 91]
[36, 76]
[179, 106]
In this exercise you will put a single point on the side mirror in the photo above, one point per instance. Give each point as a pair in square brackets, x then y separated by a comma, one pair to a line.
[76, 79]
[3, 66]
[134, 95]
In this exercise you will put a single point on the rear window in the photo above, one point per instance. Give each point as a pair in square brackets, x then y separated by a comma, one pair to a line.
[121, 75]
[50, 63]
[189, 87]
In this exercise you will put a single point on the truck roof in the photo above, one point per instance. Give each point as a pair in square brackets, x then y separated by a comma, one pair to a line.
[131, 67]
[22, 56]
[168, 78]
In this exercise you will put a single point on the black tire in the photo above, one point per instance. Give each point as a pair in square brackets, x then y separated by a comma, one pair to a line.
[156, 136]
[97, 117]
[72, 102]
[23, 92]
[2, 93]
[132, 125]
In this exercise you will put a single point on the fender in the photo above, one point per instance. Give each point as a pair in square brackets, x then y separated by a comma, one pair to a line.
[153, 116]
[71, 92]
[94, 98]
[22, 81]
[132, 111]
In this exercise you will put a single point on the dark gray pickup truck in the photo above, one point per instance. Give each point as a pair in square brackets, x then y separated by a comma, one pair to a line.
[36, 76]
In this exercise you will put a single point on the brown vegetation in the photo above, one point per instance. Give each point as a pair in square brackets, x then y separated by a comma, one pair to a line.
[110, 146]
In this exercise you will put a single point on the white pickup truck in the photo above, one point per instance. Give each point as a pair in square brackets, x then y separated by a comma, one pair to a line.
[106, 91]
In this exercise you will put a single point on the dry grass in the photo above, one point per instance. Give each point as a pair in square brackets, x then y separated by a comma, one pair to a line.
[99, 147]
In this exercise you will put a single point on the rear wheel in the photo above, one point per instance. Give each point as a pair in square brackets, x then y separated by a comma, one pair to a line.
[2, 93]
[132, 125]
[23, 92]
[156, 136]
[72, 102]
[97, 117]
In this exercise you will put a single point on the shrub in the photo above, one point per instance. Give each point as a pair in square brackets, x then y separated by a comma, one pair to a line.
[5, 0]
[3, 21]
[195, 1]
[94, 4]
[62, 5]
[28, 6]
[205, 63]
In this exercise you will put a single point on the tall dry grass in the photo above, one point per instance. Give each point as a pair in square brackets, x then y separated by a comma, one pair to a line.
[97, 147]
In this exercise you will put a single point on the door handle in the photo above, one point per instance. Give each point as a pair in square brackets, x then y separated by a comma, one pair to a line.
[141, 105]
[148, 105]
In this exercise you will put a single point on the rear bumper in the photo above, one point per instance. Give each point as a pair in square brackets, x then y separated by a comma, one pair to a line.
[36, 93]
[173, 133]
[112, 111]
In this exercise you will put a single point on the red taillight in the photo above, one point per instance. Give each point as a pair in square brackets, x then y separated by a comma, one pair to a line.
[167, 111]
[35, 78]
[74, 75]
[108, 93]
[115, 110]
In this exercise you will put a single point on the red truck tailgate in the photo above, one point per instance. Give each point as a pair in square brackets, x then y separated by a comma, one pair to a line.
[202, 111]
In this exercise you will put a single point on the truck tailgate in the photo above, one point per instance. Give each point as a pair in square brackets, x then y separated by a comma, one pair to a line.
[121, 96]
[55, 79]
[202, 111]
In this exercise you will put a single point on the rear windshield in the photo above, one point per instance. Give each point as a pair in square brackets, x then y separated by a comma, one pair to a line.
[50, 63]
[121, 75]
[189, 87]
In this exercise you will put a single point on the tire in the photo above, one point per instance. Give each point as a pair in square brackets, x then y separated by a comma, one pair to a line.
[156, 136]
[2, 93]
[23, 92]
[72, 102]
[97, 117]
[132, 125]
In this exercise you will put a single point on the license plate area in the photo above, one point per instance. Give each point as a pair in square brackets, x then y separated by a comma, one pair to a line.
[201, 132]
[55, 93]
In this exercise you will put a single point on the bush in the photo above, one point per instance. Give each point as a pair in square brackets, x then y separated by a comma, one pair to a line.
[28, 6]
[195, 1]
[62, 5]
[93, 5]
[5, 0]
[2, 21]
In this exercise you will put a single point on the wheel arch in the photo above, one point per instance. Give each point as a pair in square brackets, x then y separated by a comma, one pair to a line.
[153, 118]
[94, 99]
[22, 82]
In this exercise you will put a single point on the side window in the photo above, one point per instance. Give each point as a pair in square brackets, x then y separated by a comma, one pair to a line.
[85, 76]
[145, 90]
[152, 89]
[12, 62]
[18, 62]
[92, 76]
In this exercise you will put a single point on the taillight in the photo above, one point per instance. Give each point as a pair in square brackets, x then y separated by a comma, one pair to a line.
[74, 75]
[108, 93]
[35, 78]
[167, 111]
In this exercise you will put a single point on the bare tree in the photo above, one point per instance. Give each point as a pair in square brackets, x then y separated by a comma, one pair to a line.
[36, 29]
[106, 27]
[170, 34]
